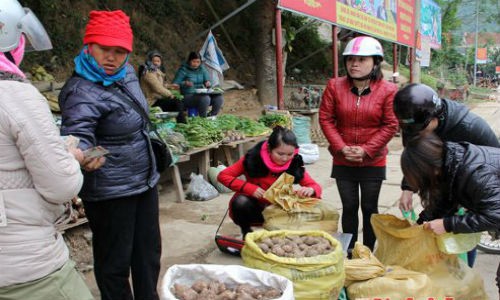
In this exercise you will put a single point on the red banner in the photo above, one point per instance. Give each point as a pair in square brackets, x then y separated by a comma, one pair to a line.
[391, 20]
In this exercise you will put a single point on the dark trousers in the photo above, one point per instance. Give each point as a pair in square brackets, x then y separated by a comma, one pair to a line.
[201, 102]
[172, 105]
[246, 211]
[349, 195]
[126, 239]
[498, 280]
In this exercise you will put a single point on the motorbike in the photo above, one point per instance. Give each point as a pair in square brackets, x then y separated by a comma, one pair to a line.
[490, 242]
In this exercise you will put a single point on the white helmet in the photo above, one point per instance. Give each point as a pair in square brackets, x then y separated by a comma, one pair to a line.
[15, 20]
[364, 46]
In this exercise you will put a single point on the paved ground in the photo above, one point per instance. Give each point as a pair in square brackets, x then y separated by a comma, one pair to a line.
[189, 228]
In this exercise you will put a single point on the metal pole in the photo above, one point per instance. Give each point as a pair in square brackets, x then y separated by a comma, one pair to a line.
[232, 14]
[411, 61]
[235, 50]
[310, 55]
[335, 52]
[305, 26]
[279, 61]
[394, 61]
[475, 43]
[414, 63]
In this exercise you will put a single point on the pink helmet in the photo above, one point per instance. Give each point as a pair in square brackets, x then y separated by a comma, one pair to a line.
[364, 46]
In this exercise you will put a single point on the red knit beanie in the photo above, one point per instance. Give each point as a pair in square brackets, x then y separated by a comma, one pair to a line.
[109, 28]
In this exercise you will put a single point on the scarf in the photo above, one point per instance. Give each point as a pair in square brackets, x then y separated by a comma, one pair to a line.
[270, 164]
[7, 66]
[87, 67]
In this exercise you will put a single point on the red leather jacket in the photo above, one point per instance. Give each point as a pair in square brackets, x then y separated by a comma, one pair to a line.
[368, 122]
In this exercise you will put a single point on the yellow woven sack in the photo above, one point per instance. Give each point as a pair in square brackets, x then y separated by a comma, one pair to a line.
[416, 249]
[396, 283]
[363, 266]
[281, 193]
[314, 278]
[367, 277]
[322, 216]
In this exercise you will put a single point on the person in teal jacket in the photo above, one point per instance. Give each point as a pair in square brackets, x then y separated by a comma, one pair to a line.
[192, 76]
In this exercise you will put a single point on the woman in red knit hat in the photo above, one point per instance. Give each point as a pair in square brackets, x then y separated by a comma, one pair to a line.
[102, 104]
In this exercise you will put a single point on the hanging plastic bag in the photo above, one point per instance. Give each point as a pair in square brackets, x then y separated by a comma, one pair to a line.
[199, 189]
[451, 243]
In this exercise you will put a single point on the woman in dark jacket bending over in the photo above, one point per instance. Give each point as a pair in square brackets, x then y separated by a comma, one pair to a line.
[450, 175]
[262, 166]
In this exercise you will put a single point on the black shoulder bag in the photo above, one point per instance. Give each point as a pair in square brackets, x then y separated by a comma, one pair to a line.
[161, 150]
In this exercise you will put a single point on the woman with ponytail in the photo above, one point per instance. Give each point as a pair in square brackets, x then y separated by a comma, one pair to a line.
[262, 166]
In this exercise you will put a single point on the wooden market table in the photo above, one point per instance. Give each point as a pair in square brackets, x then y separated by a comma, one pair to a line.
[203, 155]
[227, 147]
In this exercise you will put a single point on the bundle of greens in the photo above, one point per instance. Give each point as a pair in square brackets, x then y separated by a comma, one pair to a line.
[200, 132]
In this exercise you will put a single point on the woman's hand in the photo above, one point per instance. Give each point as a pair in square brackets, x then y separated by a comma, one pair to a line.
[351, 153]
[188, 83]
[77, 153]
[358, 151]
[305, 191]
[406, 201]
[259, 193]
[92, 164]
[173, 86]
[437, 226]
[207, 84]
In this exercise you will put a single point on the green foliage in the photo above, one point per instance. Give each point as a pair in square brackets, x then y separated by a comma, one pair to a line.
[429, 80]
[304, 43]
[457, 78]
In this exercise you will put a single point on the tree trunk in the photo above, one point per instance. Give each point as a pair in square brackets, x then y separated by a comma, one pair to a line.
[265, 67]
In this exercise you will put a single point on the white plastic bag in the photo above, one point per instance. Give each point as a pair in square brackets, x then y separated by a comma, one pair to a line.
[309, 153]
[230, 275]
[199, 189]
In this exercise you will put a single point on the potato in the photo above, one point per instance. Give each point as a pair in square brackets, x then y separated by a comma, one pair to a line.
[264, 247]
[271, 294]
[199, 285]
[227, 295]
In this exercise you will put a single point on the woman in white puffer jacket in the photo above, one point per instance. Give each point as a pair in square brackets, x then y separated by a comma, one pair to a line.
[37, 175]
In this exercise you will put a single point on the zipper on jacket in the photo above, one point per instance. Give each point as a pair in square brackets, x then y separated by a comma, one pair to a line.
[358, 101]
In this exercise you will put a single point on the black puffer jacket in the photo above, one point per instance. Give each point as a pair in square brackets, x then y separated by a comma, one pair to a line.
[472, 181]
[459, 124]
[98, 115]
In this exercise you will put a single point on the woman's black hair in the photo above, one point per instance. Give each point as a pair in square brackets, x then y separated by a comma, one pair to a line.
[377, 68]
[255, 166]
[422, 163]
[282, 136]
[193, 55]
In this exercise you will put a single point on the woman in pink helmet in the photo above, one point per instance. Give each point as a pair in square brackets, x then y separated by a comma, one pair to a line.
[38, 174]
[357, 118]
